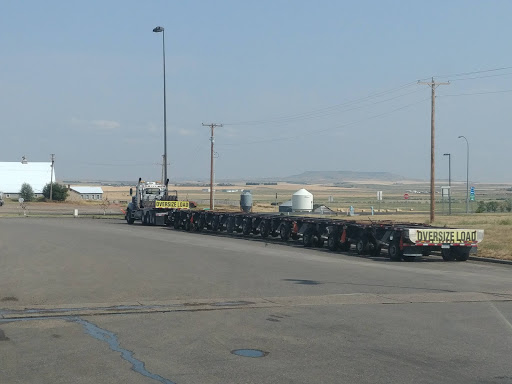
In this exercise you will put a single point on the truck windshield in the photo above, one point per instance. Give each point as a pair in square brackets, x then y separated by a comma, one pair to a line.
[152, 191]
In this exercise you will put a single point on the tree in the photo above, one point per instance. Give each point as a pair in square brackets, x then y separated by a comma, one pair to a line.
[59, 192]
[26, 192]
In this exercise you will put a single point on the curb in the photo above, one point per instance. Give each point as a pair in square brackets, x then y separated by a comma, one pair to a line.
[489, 260]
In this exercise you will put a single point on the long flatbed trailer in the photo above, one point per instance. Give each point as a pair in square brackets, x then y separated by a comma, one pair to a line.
[403, 241]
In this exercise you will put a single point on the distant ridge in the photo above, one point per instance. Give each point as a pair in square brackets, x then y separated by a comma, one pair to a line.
[318, 177]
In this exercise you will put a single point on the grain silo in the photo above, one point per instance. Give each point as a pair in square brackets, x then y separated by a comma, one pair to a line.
[302, 201]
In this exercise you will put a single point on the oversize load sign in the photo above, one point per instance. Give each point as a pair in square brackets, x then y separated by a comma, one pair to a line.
[172, 204]
[446, 236]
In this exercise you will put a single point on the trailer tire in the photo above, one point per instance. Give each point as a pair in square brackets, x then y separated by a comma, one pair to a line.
[177, 223]
[129, 219]
[247, 227]
[230, 225]
[215, 223]
[376, 250]
[447, 254]
[307, 238]
[361, 247]
[264, 230]
[333, 242]
[200, 224]
[394, 251]
[345, 246]
[318, 242]
[462, 253]
[284, 232]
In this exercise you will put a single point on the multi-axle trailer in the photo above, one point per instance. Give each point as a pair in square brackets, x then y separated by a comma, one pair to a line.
[401, 240]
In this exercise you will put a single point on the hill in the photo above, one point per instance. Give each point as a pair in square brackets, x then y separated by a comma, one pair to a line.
[323, 177]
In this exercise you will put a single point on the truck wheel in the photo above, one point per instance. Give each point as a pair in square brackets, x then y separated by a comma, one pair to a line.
[177, 222]
[307, 238]
[284, 232]
[448, 254]
[462, 253]
[333, 242]
[394, 252]
[361, 247]
[128, 217]
[152, 217]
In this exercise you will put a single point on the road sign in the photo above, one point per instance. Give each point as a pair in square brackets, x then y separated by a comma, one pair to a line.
[406, 196]
[379, 195]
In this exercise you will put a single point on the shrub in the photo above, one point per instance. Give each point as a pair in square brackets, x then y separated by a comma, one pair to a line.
[26, 192]
[59, 192]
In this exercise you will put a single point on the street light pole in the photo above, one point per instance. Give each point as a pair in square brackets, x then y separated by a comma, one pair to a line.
[449, 182]
[467, 173]
[157, 30]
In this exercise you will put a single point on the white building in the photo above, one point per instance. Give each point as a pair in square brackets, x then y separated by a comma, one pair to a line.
[14, 174]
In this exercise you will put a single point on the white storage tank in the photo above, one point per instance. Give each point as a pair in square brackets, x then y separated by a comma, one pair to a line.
[302, 201]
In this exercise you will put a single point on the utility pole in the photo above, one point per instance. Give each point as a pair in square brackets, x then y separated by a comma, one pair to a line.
[212, 139]
[51, 177]
[432, 85]
[163, 169]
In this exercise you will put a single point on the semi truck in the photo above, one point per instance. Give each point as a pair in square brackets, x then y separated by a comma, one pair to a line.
[151, 203]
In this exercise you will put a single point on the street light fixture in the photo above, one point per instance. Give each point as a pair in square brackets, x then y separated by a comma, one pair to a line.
[157, 30]
[449, 182]
[467, 173]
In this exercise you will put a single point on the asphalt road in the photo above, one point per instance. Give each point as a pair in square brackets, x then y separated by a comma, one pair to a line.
[99, 301]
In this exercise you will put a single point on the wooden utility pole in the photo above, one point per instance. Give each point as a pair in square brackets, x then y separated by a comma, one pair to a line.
[51, 177]
[212, 139]
[432, 85]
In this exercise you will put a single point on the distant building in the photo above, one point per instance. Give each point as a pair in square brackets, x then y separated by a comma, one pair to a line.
[85, 193]
[14, 174]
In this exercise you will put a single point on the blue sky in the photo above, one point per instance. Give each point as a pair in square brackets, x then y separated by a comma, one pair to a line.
[299, 85]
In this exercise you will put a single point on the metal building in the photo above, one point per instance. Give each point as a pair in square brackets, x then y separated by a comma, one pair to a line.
[85, 193]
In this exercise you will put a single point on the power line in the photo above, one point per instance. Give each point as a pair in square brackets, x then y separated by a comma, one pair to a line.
[476, 93]
[482, 77]
[320, 111]
[474, 72]
[319, 131]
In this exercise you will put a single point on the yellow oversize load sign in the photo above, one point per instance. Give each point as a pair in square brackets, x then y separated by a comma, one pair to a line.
[172, 204]
[447, 236]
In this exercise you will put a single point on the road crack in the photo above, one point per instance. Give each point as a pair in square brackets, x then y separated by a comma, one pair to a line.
[113, 342]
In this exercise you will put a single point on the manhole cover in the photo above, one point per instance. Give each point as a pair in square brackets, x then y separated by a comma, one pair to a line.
[249, 352]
